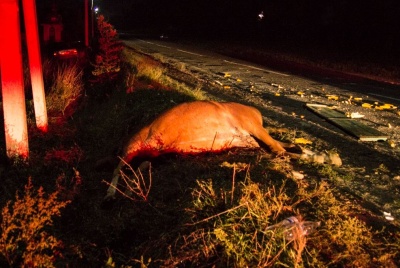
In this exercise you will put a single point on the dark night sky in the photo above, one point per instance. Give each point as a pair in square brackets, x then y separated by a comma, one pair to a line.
[368, 23]
[352, 24]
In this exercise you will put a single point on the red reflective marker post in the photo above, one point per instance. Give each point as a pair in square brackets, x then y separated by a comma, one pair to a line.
[35, 64]
[15, 124]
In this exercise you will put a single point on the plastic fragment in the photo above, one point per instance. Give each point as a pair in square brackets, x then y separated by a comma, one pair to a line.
[366, 105]
[297, 175]
[301, 93]
[386, 106]
[293, 228]
[392, 143]
[356, 115]
[388, 216]
[332, 97]
[302, 141]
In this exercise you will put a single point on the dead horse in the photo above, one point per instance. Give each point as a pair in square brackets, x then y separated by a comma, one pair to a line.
[196, 127]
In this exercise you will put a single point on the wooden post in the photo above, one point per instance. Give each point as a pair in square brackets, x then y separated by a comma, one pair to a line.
[35, 64]
[12, 81]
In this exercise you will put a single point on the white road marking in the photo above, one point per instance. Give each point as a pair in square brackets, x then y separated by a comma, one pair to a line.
[256, 68]
[231, 62]
[383, 96]
[188, 52]
[154, 43]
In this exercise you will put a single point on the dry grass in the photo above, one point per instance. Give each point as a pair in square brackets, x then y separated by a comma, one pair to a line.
[66, 88]
[227, 224]
[141, 67]
[236, 234]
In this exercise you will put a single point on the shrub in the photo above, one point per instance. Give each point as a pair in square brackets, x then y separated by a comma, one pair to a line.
[107, 62]
[24, 239]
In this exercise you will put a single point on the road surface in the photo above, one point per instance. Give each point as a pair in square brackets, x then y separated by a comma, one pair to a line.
[206, 62]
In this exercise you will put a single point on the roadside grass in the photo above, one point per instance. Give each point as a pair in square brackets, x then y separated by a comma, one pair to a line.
[143, 68]
[209, 210]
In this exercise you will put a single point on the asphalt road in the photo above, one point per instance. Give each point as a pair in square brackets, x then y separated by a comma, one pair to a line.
[218, 67]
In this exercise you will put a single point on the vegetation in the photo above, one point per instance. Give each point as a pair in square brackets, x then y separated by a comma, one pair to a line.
[66, 88]
[24, 238]
[186, 211]
[108, 48]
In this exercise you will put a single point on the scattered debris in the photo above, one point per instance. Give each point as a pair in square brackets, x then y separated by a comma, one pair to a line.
[334, 159]
[392, 143]
[386, 106]
[349, 125]
[378, 106]
[301, 93]
[224, 74]
[333, 97]
[388, 216]
[366, 105]
[331, 158]
[355, 115]
[297, 175]
[302, 141]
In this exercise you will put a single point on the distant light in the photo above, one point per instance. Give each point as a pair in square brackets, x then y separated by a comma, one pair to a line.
[96, 10]
[261, 15]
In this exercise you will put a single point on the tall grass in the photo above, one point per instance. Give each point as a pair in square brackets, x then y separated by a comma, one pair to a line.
[66, 88]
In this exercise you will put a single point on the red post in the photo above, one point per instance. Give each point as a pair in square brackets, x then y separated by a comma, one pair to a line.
[12, 81]
[86, 2]
[35, 64]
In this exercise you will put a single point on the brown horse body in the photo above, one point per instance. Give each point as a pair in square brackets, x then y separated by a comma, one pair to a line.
[196, 127]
